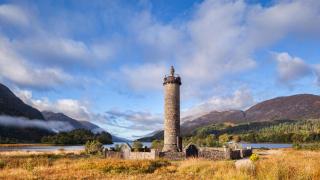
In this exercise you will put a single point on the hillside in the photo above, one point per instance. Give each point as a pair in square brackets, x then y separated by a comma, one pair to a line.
[51, 116]
[295, 107]
[11, 105]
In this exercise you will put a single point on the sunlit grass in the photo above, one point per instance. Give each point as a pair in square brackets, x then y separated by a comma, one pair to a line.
[281, 164]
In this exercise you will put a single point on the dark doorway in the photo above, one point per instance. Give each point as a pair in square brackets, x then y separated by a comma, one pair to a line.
[192, 151]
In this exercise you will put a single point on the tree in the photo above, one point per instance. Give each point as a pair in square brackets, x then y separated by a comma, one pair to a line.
[157, 144]
[137, 145]
[236, 138]
[104, 138]
[93, 147]
[210, 140]
[224, 138]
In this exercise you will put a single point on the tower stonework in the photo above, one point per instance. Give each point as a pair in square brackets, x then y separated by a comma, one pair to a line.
[172, 140]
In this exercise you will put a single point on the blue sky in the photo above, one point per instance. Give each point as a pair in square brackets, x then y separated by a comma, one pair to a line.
[103, 61]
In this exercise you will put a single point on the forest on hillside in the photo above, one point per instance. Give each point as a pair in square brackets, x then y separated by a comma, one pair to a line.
[280, 131]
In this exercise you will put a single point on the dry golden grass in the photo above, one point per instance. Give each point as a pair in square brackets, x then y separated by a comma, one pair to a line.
[280, 164]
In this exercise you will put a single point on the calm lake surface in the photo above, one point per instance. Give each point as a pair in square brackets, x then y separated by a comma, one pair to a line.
[148, 144]
[42, 148]
[266, 145]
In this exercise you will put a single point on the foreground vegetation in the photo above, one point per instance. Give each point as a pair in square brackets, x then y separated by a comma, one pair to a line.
[272, 164]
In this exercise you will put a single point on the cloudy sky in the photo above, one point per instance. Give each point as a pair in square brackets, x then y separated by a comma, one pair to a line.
[103, 61]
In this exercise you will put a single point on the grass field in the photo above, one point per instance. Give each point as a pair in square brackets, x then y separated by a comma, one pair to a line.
[272, 164]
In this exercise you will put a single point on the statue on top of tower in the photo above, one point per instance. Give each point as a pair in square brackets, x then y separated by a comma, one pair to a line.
[172, 71]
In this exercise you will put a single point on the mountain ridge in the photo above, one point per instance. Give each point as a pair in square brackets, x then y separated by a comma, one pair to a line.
[293, 107]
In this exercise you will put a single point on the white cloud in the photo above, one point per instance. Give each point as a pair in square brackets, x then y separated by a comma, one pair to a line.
[114, 121]
[241, 99]
[164, 39]
[15, 68]
[13, 14]
[50, 49]
[139, 122]
[146, 76]
[290, 68]
[317, 72]
[70, 107]
[220, 38]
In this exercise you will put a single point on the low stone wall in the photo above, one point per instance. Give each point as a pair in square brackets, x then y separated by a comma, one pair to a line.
[175, 156]
[205, 153]
[143, 155]
[212, 154]
[112, 154]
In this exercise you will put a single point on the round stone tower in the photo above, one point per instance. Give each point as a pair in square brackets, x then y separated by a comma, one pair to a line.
[172, 140]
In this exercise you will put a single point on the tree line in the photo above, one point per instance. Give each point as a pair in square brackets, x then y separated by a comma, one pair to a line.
[77, 136]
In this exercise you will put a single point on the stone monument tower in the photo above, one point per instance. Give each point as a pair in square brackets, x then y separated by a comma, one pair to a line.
[172, 139]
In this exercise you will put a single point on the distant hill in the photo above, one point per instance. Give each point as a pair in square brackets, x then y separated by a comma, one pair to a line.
[51, 116]
[11, 105]
[119, 139]
[78, 124]
[295, 107]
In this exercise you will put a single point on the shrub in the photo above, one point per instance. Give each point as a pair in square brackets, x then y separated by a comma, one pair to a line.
[93, 147]
[137, 145]
[224, 138]
[2, 164]
[254, 157]
[157, 144]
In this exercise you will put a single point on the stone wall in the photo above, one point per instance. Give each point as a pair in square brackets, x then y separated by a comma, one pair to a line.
[125, 154]
[212, 154]
[175, 156]
[112, 154]
[143, 155]
[204, 152]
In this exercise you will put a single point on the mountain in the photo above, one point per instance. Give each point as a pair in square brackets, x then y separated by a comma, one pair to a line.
[95, 128]
[295, 107]
[232, 116]
[11, 105]
[152, 136]
[119, 139]
[51, 116]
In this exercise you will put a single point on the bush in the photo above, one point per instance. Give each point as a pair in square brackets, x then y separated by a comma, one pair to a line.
[2, 164]
[137, 145]
[93, 147]
[157, 144]
[254, 157]
[224, 138]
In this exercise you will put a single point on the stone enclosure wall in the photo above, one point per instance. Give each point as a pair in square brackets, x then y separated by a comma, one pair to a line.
[153, 154]
[212, 155]
[175, 156]
[205, 153]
